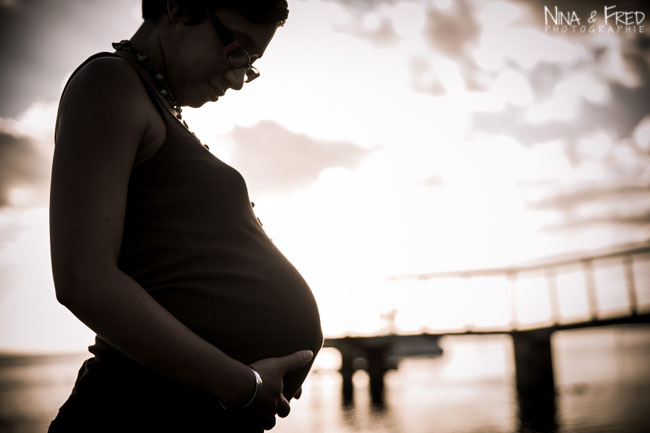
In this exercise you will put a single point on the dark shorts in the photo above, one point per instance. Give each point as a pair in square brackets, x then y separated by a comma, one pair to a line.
[122, 396]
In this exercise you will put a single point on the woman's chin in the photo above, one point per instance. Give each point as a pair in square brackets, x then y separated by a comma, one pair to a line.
[196, 104]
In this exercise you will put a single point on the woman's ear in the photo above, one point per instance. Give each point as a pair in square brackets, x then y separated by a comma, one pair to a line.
[174, 10]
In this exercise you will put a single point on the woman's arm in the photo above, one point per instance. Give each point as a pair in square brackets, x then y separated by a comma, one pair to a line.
[103, 118]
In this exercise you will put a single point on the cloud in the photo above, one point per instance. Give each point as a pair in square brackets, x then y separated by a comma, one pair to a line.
[598, 116]
[638, 219]
[641, 134]
[10, 229]
[607, 199]
[364, 5]
[434, 181]
[272, 158]
[378, 30]
[618, 117]
[452, 31]
[576, 95]
[43, 41]
[571, 200]
[21, 166]
[609, 181]
[548, 88]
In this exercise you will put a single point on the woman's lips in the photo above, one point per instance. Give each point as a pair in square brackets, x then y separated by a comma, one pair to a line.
[216, 92]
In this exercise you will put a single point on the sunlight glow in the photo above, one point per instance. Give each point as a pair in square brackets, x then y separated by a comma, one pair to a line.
[438, 187]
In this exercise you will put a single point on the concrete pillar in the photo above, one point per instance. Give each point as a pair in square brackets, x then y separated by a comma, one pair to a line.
[535, 380]
[347, 370]
[376, 357]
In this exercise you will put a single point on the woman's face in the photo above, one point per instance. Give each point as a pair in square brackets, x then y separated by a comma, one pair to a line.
[197, 68]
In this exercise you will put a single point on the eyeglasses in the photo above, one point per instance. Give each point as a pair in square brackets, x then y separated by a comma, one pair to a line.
[237, 56]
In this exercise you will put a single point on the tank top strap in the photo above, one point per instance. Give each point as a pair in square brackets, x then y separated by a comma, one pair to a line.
[151, 92]
[88, 60]
[171, 124]
[154, 96]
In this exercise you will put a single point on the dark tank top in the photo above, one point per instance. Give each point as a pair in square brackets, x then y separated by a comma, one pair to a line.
[192, 240]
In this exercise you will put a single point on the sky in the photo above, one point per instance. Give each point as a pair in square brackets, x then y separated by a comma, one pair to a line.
[384, 138]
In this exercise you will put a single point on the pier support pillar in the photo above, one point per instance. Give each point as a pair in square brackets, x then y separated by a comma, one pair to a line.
[376, 356]
[347, 370]
[535, 380]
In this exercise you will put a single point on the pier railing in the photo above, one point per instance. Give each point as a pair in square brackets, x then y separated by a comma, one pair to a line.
[556, 291]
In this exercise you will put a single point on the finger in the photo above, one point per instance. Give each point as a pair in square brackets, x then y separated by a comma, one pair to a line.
[298, 393]
[296, 360]
[284, 408]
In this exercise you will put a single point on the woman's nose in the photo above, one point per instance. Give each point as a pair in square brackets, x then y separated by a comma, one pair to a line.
[236, 77]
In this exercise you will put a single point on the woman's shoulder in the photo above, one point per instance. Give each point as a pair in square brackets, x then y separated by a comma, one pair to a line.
[106, 86]
[104, 71]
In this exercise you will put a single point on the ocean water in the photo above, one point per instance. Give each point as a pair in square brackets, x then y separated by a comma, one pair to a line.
[602, 382]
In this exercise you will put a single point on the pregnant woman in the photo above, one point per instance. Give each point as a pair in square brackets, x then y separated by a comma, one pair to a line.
[202, 324]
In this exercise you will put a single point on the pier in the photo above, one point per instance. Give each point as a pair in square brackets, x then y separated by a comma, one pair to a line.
[616, 289]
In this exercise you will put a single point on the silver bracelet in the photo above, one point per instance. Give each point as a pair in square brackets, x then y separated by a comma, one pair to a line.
[258, 385]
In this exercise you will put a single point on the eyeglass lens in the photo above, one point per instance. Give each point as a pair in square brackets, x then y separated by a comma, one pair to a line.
[239, 58]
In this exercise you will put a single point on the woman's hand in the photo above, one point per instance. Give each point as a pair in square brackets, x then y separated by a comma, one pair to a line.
[270, 399]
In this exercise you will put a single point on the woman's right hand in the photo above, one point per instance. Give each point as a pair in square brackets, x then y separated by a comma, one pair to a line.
[270, 400]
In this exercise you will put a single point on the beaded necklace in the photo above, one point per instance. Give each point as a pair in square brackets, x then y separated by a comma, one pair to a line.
[159, 79]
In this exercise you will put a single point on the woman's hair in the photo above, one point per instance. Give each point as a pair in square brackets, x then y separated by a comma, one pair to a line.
[255, 11]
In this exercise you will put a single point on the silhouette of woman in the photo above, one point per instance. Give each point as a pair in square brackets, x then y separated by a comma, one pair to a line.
[202, 324]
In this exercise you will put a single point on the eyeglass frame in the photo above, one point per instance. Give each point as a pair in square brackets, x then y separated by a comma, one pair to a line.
[230, 44]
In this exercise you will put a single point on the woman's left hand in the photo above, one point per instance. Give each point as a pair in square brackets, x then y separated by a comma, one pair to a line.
[270, 400]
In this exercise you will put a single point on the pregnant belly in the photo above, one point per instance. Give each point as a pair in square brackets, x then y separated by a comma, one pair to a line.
[271, 320]
[270, 314]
